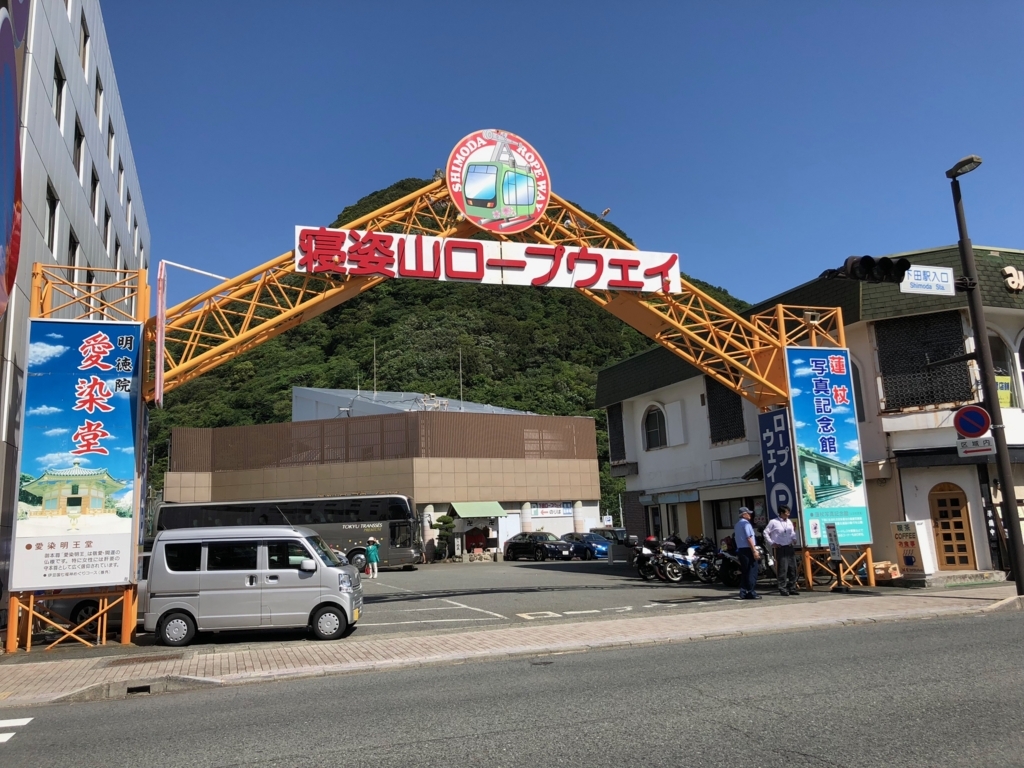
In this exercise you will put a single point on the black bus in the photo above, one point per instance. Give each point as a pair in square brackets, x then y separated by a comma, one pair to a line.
[344, 522]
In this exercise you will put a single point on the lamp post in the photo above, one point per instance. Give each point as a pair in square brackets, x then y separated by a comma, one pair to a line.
[976, 306]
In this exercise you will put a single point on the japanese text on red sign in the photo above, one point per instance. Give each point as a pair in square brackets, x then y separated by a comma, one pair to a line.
[350, 252]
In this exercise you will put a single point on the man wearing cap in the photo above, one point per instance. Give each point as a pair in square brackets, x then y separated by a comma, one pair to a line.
[781, 535]
[743, 534]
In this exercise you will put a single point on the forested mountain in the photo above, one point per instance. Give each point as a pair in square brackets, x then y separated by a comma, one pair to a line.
[536, 349]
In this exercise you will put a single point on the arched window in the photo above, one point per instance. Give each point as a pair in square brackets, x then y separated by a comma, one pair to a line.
[655, 435]
[1006, 373]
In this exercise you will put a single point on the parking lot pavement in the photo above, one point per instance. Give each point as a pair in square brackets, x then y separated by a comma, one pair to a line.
[458, 596]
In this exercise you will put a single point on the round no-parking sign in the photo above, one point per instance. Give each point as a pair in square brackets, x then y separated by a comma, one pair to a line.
[972, 421]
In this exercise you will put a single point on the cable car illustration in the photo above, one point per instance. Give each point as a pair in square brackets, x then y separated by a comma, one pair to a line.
[502, 188]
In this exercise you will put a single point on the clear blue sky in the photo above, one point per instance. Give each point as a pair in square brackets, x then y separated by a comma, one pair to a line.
[763, 141]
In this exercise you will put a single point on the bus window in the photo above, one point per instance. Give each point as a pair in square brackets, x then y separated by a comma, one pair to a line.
[398, 510]
[517, 188]
[303, 512]
[481, 185]
[344, 511]
[269, 514]
[401, 535]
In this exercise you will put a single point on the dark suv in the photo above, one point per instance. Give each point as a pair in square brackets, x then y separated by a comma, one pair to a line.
[539, 545]
[614, 535]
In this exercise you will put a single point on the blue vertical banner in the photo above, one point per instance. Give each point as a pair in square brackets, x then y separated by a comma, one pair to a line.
[828, 453]
[778, 461]
[79, 490]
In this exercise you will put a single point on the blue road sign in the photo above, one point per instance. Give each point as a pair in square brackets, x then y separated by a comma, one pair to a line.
[972, 421]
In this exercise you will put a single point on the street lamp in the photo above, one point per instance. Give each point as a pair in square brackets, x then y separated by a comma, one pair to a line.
[976, 306]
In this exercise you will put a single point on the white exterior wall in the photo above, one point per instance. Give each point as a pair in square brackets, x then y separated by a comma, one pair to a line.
[918, 482]
[689, 459]
[47, 150]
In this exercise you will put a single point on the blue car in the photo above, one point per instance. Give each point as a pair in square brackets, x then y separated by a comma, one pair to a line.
[587, 546]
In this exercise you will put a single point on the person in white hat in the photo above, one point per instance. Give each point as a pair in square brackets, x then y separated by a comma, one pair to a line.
[372, 556]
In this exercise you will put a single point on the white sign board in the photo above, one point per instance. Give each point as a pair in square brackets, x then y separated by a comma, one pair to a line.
[834, 553]
[978, 446]
[929, 281]
[336, 252]
[551, 509]
[607, 520]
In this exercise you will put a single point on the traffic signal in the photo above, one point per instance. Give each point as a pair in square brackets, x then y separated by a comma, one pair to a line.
[872, 270]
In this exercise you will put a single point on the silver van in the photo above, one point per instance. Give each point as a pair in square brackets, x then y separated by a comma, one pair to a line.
[258, 577]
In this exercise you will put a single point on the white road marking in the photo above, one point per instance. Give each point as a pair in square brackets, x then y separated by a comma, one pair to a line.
[471, 608]
[15, 723]
[577, 613]
[411, 610]
[364, 579]
[621, 609]
[539, 615]
[5, 737]
[420, 621]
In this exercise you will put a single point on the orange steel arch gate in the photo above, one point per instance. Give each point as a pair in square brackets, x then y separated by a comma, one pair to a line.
[745, 355]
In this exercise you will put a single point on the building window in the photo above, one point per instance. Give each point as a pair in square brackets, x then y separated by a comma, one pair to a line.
[72, 254]
[726, 512]
[106, 228]
[120, 178]
[616, 434]
[94, 195]
[98, 98]
[59, 81]
[654, 521]
[142, 256]
[725, 412]
[110, 148]
[655, 435]
[135, 235]
[906, 345]
[858, 396]
[117, 253]
[83, 43]
[79, 143]
[128, 208]
[50, 225]
[1006, 376]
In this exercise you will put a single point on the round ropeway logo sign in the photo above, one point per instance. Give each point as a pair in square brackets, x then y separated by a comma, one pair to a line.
[498, 181]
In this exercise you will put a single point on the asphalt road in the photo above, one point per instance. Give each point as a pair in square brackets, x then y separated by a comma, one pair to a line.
[940, 692]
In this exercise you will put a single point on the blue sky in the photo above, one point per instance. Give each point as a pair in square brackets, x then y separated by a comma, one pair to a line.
[762, 141]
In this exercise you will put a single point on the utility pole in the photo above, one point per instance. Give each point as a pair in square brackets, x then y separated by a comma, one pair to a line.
[976, 305]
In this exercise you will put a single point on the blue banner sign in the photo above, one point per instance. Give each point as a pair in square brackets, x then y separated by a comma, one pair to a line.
[778, 460]
[79, 490]
[827, 446]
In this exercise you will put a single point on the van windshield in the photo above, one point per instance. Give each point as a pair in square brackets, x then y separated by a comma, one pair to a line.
[325, 553]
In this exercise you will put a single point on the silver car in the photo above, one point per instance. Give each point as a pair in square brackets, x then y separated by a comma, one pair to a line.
[241, 577]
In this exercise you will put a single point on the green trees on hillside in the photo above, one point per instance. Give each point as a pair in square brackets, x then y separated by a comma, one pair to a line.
[534, 349]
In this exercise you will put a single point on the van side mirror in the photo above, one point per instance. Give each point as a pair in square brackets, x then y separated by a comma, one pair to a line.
[307, 565]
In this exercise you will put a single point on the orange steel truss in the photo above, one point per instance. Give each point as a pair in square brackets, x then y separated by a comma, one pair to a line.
[745, 355]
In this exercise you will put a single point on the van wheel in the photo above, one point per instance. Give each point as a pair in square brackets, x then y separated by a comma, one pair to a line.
[357, 560]
[84, 610]
[177, 629]
[329, 623]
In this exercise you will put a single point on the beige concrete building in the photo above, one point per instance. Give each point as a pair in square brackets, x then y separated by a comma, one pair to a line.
[537, 472]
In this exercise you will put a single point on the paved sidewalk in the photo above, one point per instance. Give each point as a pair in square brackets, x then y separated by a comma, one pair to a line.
[37, 681]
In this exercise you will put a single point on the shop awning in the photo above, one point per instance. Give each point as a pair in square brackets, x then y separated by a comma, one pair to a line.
[478, 509]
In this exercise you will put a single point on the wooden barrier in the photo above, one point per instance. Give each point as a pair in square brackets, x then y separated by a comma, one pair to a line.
[846, 573]
[27, 609]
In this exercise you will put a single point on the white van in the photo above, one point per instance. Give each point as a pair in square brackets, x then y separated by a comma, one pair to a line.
[259, 577]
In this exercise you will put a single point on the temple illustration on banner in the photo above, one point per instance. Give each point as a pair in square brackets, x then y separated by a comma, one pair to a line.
[74, 492]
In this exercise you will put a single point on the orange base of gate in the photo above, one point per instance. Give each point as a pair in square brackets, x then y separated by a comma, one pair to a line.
[842, 574]
[28, 611]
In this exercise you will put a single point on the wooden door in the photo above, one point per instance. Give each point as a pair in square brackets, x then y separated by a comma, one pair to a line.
[694, 523]
[951, 524]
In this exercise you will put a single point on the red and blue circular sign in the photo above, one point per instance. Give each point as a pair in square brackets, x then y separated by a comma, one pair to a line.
[972, 421]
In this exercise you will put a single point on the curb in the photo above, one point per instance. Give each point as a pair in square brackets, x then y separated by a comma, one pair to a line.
[1014, 603]
[124, 689]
